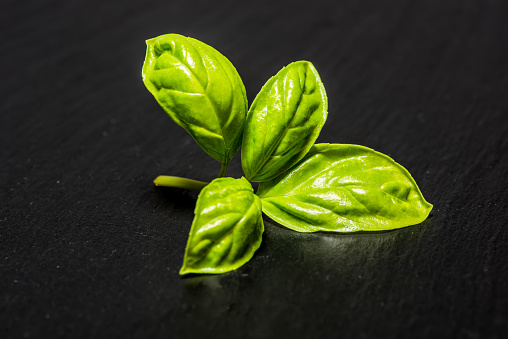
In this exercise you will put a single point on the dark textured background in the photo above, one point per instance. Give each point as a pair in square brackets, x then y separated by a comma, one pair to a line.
[89, 248]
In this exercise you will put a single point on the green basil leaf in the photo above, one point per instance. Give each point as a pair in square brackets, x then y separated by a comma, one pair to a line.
[200, 90]
[344, 188]
[227, 227]
[283, 122]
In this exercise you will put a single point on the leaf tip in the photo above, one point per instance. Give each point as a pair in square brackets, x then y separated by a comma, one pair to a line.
[184, 270]
[430, 207]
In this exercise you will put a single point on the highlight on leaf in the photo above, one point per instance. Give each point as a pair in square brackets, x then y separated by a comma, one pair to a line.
[344, 188]
[227, 227]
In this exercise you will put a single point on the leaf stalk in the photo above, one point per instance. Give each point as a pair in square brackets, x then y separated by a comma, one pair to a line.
[178, 182]
[223, 169]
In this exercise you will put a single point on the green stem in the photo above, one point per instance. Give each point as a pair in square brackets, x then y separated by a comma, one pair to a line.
[223, 169]
[170, 181]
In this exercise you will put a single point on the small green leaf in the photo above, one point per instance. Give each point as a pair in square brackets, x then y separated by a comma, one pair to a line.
[344, 188]
[200, 90]
[227, 227]
[283, 122]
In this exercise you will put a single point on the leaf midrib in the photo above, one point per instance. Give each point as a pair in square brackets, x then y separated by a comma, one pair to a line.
[283, 135]
[339, 186]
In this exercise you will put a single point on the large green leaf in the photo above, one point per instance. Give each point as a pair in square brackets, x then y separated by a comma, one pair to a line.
[227, 227]
[283, 122]
[200, 90]
[344, 188]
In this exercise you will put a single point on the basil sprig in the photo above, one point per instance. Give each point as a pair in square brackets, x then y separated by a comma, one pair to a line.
[303, 186]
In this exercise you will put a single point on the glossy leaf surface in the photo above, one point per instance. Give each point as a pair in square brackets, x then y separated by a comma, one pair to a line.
[283, 122]
[227, 227]
[344, 188]
[200, 90]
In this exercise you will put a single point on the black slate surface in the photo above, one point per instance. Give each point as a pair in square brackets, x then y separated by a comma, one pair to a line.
[89, 248]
